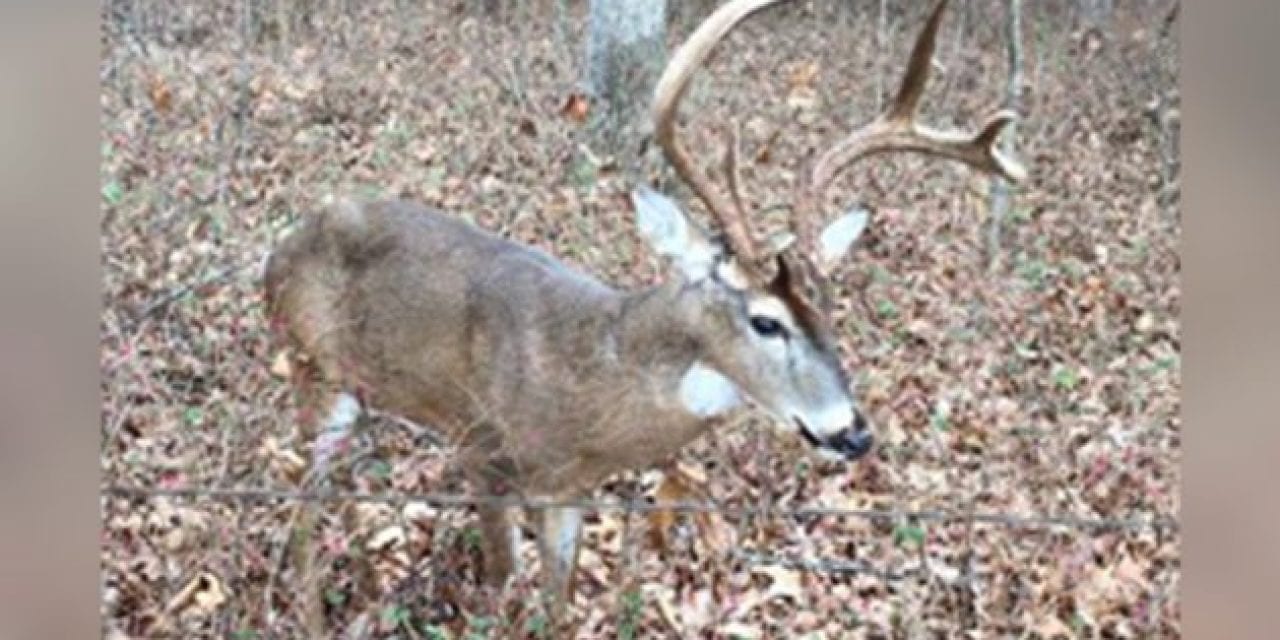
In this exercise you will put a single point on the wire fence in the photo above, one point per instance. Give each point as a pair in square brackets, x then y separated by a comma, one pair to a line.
[1154, 522]
[243, 29]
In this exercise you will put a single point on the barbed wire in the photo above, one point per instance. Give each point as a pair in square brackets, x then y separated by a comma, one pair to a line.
[1153, 522]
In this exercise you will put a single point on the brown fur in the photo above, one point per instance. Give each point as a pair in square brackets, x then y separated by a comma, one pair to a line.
[403, 303]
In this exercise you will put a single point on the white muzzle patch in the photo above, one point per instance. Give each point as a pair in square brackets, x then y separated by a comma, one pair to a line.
[831, 420]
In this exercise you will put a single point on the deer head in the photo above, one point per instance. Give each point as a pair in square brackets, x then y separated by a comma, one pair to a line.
[763, 313]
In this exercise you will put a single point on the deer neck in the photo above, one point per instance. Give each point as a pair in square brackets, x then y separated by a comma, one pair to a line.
[656, 335]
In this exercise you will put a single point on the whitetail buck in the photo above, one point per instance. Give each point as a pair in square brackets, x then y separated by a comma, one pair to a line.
[548, 380]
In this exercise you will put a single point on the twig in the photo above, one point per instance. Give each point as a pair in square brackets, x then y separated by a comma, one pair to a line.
[176, 294]
[830, 566]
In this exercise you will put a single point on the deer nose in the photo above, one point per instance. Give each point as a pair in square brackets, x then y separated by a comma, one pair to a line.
[854, 441]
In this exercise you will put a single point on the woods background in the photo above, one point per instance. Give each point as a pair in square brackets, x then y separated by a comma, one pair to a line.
[1028, 369]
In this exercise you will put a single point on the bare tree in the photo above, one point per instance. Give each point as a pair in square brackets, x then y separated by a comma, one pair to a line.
[625, 54]
[1013, 93]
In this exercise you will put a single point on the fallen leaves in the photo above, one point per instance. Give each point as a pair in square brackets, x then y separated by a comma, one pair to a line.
[1049, 385]
[801, 94]
[575, 108]
[160, 94]
[684, 483]
[202, 596]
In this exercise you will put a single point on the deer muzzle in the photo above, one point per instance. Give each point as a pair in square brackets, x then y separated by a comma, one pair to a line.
[849, 443]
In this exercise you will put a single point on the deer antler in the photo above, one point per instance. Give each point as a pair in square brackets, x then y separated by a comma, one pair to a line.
[670, 89]
[897, 130]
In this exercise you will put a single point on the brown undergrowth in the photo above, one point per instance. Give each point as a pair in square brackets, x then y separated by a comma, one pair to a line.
[1047, 384]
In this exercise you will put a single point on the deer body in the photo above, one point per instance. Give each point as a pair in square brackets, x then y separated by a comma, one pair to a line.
[548, 380]
[543, 370]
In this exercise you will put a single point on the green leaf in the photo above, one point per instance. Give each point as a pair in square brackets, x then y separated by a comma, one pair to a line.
[112, 192]
[632, 603]
[471, 538]
[536, 625]
[371, 191]
[380, 469]
[335, 597]
[909, 533]
[432, 632]
[1065, 378]
[193, 415]
[435, 177]
[394, 615]
[939, 422]
[886, 309]
[479, 626]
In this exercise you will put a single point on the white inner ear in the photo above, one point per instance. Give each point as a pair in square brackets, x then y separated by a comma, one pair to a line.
[705, 392]
[732, 275]
[837, 237]
[671, 234]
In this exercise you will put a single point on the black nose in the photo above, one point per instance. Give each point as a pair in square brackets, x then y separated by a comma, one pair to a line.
[854, 442]
[859, 422]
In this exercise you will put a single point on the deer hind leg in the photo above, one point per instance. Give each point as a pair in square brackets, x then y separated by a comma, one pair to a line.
[559, 531]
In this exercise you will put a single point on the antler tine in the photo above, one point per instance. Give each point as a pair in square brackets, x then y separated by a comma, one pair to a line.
[731, 170]
[897, 130]
[667, 94]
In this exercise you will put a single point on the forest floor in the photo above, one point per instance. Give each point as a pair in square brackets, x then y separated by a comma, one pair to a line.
[1041, 384]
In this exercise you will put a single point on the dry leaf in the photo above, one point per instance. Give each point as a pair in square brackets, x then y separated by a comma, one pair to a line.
[160, 94]
[786, 581]
[281, 367]
[750, 601]
[575, 108]
[740, 630]
[288, 462]
[665, 598]
[803, 74]
[697, 609]
[802, 95]
[671, 488]
[202, 596]
[418, 512]
[1052, 628]
[388, 538]
[681, 483]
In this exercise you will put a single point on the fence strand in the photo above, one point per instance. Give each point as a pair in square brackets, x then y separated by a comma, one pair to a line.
[1137, 523]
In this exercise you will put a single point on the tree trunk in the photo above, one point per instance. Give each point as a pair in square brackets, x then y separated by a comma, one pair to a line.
[1013, 94]
[626, 49]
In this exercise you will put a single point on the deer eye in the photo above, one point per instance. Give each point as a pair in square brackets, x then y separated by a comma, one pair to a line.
[767, 327]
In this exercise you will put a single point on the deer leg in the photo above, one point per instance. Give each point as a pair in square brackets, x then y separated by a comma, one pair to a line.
[335, 432]
[559, 530]
[499, 524]
[340, 411]
[500, 544]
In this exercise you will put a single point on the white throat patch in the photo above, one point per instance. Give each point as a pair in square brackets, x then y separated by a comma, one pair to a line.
[704, 392]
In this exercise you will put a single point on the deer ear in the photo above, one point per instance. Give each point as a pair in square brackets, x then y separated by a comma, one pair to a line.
[837, 237]
[672, 235]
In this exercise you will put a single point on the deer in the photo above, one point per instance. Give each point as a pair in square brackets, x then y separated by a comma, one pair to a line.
[545, 379]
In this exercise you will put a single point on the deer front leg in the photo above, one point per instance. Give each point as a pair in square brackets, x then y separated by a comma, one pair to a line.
[500, 542]
[559, 530]
[339, 413]
[499, 526]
